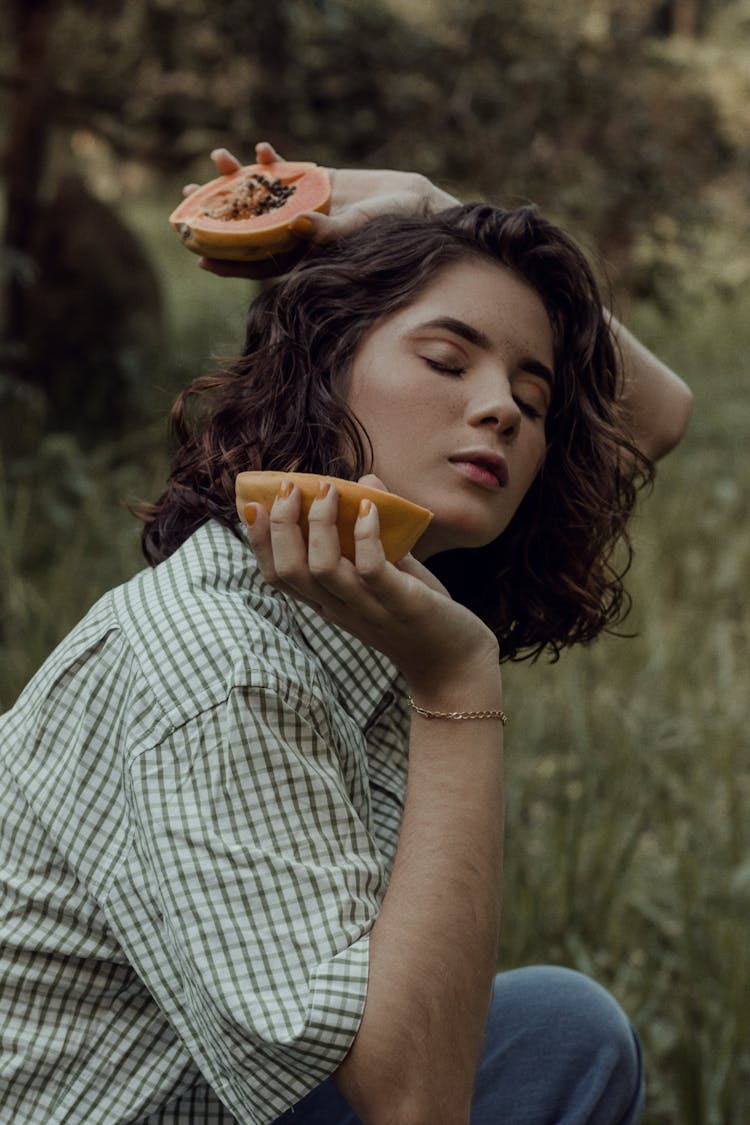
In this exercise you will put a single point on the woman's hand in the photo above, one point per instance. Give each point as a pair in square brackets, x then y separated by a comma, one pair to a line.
[401, 609]
[357, 195]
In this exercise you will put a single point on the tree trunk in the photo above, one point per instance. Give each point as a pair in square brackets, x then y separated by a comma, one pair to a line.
[685, 18]
[24, 161]
[271, 55]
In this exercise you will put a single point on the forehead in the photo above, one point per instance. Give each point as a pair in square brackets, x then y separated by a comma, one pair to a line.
[489, 297]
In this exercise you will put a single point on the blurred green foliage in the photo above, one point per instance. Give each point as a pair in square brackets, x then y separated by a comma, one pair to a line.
[626, 120]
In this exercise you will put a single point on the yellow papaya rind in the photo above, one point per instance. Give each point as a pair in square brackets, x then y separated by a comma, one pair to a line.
[402, 522]
[233, 241]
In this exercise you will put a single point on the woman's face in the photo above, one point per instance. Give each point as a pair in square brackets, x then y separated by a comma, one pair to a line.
[453, 391]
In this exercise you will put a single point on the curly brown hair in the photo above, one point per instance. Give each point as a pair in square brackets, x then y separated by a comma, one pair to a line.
[555, 576]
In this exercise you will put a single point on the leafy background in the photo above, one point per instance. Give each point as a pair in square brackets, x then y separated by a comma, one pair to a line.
[626, 120]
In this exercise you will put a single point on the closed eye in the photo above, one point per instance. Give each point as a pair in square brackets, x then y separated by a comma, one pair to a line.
[527, 408]
[443, 368]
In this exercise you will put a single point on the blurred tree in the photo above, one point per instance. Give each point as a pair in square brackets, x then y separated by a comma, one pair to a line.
[577, 112]
[81, 306]
[613, 116]
[23, 164]
[95, 316]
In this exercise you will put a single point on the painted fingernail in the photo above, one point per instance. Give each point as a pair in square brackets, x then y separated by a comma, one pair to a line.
[324, 487]
[285, 489]
[251, 514]
[364, 508]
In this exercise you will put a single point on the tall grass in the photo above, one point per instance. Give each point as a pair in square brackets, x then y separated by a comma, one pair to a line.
[628, 762]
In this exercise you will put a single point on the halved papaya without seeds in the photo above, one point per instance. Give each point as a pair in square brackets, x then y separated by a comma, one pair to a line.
[401, 521]
[245, 216]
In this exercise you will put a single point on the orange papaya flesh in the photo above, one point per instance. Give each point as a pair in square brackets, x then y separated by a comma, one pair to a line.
[245, 216]
[401, 521]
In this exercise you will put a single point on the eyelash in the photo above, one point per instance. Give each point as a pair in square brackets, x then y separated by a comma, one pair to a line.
[444, 369]
[526, 408]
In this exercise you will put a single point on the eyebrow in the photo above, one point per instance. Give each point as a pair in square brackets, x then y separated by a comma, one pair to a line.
[480, 340]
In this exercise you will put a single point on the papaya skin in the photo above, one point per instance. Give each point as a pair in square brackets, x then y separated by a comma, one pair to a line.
[300, 186]
[401, 521]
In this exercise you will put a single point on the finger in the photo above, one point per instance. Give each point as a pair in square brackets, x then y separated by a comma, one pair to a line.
[257, 269]
[316, 228]
[369, 556]
[409, 565]
[395, 588]
[320, 229]
[339, 587]
[330, 581]
[309, 226]
[333, 579]
[258, 535]
[289, 550]
[265, 153]
[323, 542]
[225, 162]
[371, 481]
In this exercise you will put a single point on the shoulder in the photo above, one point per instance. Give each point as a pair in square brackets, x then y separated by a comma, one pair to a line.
[204, 623]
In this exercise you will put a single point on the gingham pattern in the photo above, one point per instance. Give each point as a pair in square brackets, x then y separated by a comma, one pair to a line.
[202, 792]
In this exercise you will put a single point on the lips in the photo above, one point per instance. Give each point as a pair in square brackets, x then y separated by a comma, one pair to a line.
[489, 462]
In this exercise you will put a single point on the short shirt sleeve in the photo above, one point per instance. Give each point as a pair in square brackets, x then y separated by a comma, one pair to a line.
[258, 880]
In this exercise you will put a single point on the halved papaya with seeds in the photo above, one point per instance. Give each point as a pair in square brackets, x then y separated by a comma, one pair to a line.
[245, 216]
[401, 521]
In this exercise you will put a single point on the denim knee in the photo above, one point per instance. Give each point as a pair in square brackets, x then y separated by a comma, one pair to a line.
[558, 1049]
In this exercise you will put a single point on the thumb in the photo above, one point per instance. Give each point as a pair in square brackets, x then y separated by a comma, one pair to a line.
[371, 481]
[409, 565]
[318, 228]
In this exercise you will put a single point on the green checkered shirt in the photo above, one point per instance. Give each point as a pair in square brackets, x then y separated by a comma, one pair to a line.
[201, 799]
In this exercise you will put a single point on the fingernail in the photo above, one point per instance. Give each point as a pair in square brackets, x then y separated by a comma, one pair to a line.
[251, 514]
[324, 487]
[302, 225]
[285, 489]
[364, 507]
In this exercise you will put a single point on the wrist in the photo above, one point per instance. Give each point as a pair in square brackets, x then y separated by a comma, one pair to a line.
[475, 685]
[496, 713]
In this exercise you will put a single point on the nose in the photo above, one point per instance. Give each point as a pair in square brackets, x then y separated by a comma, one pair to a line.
[493, 407]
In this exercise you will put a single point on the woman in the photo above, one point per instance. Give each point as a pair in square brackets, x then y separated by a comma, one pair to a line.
[223, 887]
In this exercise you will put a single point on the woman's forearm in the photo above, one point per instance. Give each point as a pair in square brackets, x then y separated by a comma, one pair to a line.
[434, 945]
[658, 401]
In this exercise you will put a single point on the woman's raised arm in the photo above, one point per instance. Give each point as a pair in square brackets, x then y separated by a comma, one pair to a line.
[659, 401]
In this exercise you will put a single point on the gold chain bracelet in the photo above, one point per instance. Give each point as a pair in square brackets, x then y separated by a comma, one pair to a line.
[426, 714]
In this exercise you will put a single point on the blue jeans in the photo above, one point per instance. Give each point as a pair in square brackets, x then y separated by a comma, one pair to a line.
[558, 1051]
